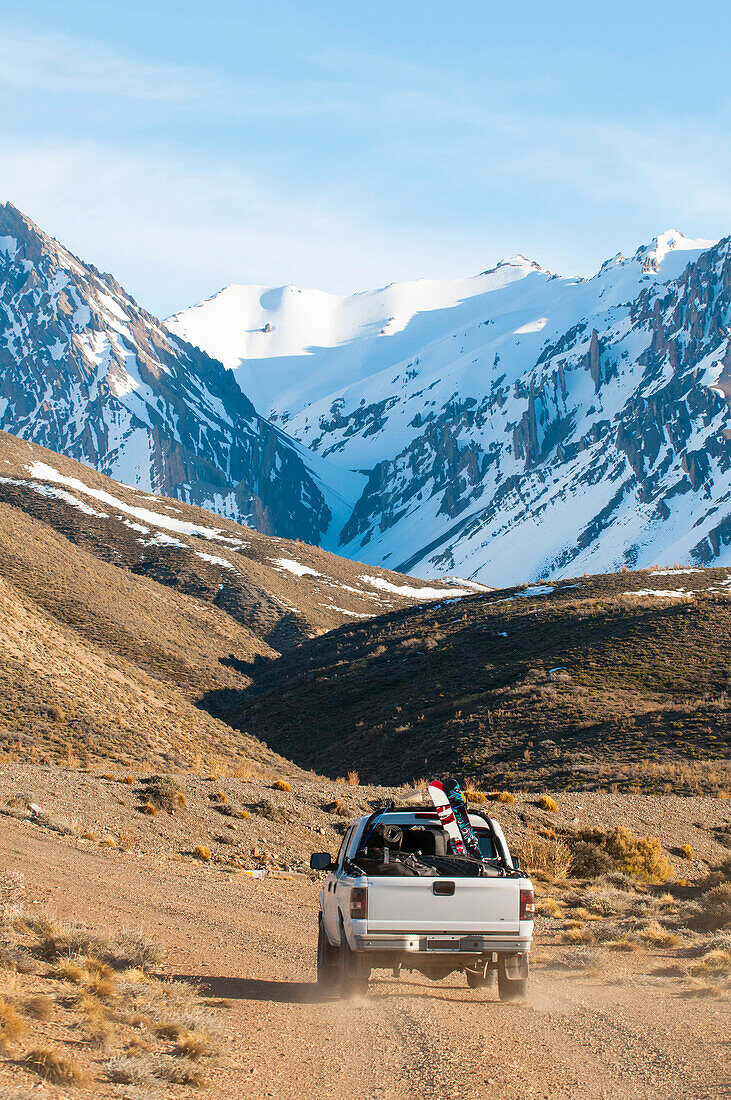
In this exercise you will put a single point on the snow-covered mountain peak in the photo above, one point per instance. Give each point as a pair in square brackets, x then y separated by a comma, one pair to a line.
[653, 256]
[518, 260]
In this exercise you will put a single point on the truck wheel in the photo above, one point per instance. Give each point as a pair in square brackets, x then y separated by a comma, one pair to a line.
[512, 978]
[476, 980]
[327, 961]
[353, 974]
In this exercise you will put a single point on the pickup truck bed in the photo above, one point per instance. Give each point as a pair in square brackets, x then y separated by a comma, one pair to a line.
[398, 906]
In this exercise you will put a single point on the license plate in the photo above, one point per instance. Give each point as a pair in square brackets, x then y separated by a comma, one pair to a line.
[435, 943]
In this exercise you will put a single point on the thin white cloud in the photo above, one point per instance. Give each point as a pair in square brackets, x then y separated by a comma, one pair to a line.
[58, 64]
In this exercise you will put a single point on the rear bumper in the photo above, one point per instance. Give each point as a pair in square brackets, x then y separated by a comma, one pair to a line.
[441, 945]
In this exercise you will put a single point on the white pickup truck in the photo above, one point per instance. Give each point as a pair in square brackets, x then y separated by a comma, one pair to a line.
[394, 898]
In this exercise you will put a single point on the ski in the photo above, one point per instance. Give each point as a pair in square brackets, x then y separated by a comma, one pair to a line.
[458, 803]
[447, 818]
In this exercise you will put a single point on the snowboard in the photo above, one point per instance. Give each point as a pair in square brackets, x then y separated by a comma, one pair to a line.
[458, 802]
[447, 818]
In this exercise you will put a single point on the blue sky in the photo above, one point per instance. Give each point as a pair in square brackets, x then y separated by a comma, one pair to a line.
[184, 146]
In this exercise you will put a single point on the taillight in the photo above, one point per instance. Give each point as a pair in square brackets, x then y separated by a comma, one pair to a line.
[359, 902]
[527, 905]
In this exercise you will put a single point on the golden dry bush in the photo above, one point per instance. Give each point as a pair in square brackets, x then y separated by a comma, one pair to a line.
[149, 809]
[52, 1067]
[352, 779]
[658, 936]
[281, 785]
[171, 1029]
[477, 798]
[549, 907]
[39, 1007]
[12, 1027]
[193, 1045]
[107, 842]
[502, 796]
[547, 803]
[68, 970]
[165, 793]
[578, 935]
[597, 851]
[715, 908]
[714, 963]
[686, 851]
[624, 943]
[202, 853]
[543, 856]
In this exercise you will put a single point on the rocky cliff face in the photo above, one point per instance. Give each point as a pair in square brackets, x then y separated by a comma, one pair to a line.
[87, 372]
[613, 447]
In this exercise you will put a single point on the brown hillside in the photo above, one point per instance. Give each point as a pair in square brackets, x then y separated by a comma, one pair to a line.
[611, 680]
[123, 613]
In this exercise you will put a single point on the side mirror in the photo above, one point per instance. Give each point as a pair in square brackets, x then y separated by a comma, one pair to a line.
[516, 863]
[321, 861]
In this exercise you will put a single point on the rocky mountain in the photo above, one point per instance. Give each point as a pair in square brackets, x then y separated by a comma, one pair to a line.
[511, 426]
[85, 371]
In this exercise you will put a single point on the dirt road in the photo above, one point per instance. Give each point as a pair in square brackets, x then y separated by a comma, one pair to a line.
[628, 1033]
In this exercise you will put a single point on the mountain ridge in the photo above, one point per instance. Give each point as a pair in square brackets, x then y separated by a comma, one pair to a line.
[497, 449]
[86, 371]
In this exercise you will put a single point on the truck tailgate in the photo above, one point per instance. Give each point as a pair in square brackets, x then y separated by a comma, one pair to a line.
[410, 905]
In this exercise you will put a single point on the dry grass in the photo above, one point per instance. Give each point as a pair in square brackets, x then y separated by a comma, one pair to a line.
[281, 785]
[149, 1068]
[714, 963]
[336, 807]
[583, 957]
[157, 1026]
[549, 907]
[543, 856]
[477, 798]
[502, 796]
[165, 793]
[579, 933]
[193, 1045]
[118, 950]
[716, 908]
[54, 1068]
[658, 936]
[12, 1027]
[202, 853]
[39, 1008]
[686, 851]
[68, 970]
[545, 802]
[352, 779]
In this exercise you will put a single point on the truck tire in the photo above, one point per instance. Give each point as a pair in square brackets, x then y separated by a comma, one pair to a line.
[512, 988]
[353, 974]
[475, 980]
[327, 961]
